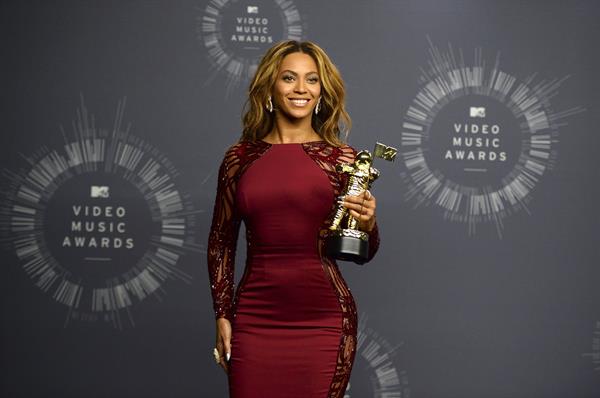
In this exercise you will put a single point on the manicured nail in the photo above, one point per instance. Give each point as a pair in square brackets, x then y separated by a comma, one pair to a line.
[228, 355]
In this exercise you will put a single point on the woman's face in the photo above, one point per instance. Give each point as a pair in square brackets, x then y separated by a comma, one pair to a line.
[297, 87]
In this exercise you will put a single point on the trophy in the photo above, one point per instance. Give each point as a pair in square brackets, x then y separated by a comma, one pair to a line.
[344, 241]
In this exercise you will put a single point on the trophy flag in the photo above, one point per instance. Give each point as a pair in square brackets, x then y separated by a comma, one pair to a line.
[385, 152]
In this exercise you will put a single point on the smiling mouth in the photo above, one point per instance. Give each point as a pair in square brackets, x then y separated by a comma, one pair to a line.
[299, 102]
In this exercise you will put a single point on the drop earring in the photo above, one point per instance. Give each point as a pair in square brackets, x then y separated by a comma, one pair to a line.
[270, 104]
[318, 107]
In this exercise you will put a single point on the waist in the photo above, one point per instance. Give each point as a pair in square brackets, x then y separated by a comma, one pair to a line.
[288, 251]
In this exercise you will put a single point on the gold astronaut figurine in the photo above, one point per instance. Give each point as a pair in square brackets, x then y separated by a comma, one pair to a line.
[360, 177]
[344, 241]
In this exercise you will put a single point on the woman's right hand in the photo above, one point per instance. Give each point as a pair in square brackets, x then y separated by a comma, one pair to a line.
[224, 342]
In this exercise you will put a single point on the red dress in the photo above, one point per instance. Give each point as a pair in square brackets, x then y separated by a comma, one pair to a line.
[293, 317]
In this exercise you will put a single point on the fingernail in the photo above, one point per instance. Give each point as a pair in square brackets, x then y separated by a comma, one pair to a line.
[228, 355]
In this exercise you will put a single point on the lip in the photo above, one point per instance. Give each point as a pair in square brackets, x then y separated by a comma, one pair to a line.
[299, 102]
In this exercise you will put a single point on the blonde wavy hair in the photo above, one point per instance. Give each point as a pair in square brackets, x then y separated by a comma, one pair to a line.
[332, 121]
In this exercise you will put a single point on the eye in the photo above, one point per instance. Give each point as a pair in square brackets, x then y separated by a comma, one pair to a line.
[313, 79]
[288, 78]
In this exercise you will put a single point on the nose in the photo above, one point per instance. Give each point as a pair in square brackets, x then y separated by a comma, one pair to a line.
[300, 86]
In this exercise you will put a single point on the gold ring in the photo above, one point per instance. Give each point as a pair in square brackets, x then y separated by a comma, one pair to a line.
[217, 356]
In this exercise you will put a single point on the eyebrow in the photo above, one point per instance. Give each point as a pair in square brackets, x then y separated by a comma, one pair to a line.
[295, 74]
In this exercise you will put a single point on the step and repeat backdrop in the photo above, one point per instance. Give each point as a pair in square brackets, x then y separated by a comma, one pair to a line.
[115, 117]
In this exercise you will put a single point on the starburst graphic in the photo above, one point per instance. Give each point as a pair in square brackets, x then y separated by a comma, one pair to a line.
[478, 185]
[376, 358]
[594, 355]
[107, 260]
[235, 34]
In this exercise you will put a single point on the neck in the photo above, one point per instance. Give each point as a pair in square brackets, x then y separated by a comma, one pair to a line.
[288, 131]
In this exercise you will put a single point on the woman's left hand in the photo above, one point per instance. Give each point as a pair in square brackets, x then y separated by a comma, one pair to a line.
[362, 207]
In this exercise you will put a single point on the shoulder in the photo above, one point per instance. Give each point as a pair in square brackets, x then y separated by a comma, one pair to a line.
[345, 148]
[347, 154]
[239, 155]
[242, 150]
[237, 149]
[329, 156]
[329, 153]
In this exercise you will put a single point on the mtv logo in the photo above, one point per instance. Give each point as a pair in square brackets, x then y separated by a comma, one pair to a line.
[252, 9]
[385, 152]
[99, 191]
[477, 111]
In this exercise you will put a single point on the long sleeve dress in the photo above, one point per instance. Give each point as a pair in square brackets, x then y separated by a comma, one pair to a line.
[294, 321]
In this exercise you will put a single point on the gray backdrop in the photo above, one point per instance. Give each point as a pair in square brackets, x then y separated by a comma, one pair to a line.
[486, 283]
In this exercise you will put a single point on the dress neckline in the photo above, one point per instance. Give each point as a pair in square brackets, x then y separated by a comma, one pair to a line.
[294, 143]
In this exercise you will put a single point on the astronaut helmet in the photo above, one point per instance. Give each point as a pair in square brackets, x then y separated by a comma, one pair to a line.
[363, 160]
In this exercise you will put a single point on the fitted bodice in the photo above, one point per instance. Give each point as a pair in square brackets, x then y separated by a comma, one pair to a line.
[283, 199]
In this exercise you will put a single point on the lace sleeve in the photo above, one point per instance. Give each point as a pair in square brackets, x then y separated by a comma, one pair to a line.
[222, 240]
[347, 156]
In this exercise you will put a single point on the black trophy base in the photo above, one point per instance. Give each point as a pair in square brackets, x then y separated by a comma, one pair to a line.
[347, 248]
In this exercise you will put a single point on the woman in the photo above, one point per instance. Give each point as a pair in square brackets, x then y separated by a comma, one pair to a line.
[290, 328]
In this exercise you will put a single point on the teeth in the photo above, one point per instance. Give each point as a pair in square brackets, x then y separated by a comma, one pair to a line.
[299, 102]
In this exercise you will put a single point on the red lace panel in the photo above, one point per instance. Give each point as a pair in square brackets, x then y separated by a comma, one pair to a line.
[222, 240]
